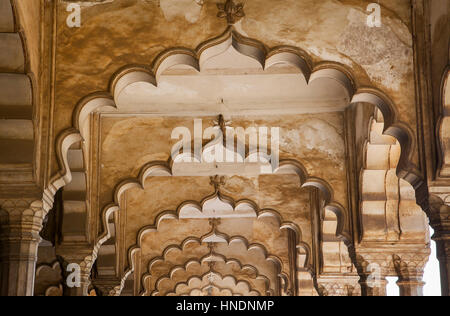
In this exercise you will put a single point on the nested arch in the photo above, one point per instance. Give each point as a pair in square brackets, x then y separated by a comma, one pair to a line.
[215, 236]
[163, 169]
[241, 287]
[130, 75]
[77, 138]
[222, 265]
[252, 256]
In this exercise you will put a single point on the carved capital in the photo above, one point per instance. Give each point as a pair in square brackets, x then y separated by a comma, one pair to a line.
[409, 266]
[392, 260]
[81, 256]
[339, 285]
[20, 224]
[108, 286]
[439, 213]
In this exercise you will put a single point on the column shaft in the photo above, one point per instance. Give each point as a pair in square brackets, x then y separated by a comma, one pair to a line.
[19, 241]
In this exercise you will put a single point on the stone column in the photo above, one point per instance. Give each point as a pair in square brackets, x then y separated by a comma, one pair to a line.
[411, 286]
[21, 222]
[443, 255]
[439, 214]
[77, 271]
[373, 286]
[108, 286]
[410, 273]
[338, 285]
[372, 270]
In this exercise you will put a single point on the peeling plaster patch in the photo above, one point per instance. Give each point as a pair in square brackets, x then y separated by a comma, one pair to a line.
[189, 9]
[317, 135]
[385, 56]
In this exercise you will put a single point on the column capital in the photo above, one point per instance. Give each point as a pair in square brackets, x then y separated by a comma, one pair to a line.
[375, 262]
[20, 224]
[410, 273]
[439, 213]
[108, 286]
[81, 256]
[339, 285]
[390, 258]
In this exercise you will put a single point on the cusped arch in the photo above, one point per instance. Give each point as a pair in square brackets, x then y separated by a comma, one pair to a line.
[273, 260]
[128, 75]
[213, 237]
[220, 258]
[267, 58]
[205, 277]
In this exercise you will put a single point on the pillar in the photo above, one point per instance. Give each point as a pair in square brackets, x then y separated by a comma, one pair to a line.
[411, 286]
[373, 287]
[21, 223]
[339, 285]
[108, 286]
[443, 254]
[439, 214]
[77, 267]
[372, 270]
[410, 273]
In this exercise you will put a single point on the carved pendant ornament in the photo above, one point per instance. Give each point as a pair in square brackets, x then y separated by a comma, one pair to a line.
[231, 11]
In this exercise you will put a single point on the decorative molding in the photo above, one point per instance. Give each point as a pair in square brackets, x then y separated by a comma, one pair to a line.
[249, 47]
